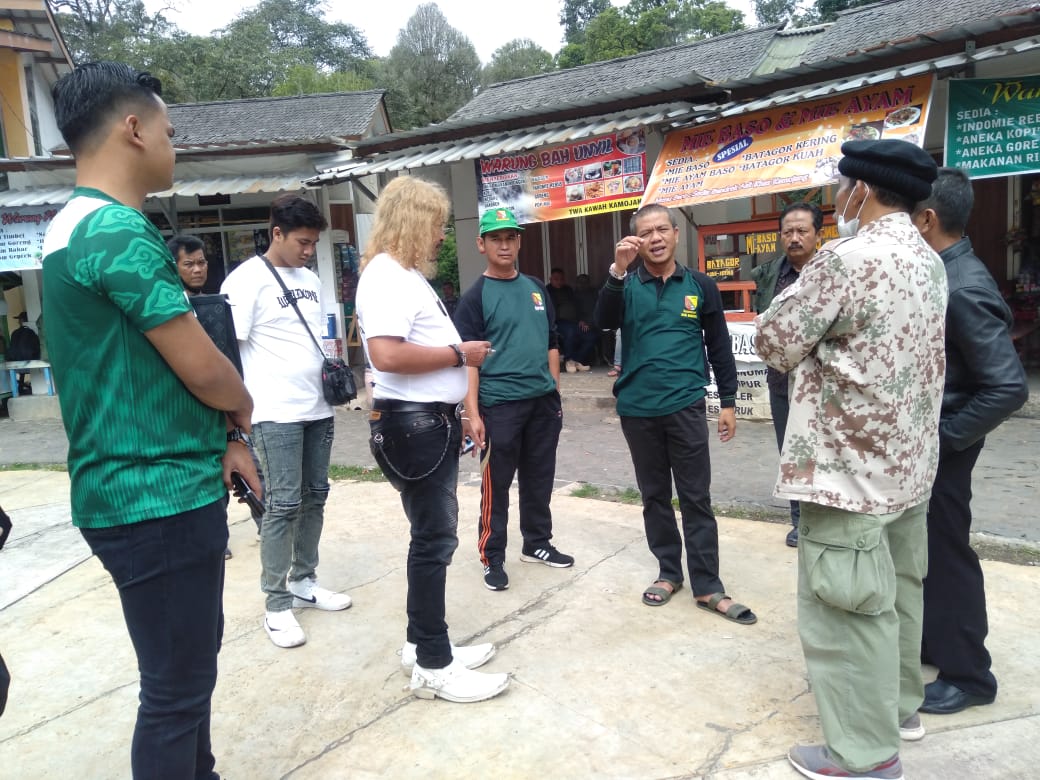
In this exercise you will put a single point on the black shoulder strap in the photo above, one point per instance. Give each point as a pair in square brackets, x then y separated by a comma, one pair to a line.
[292, 299]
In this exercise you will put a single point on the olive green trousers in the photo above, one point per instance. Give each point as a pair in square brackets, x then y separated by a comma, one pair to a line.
[859, 618]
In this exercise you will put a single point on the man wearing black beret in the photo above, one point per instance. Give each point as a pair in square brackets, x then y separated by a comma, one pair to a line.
[861, 332]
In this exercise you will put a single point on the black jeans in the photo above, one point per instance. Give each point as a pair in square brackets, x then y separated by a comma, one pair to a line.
[780, 407]
[522, 437]
[419, 454]
[677, 445]
[955, 622]
[170, 576]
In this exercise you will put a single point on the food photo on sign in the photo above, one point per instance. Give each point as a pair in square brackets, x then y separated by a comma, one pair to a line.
[785, 147]
[593, 175]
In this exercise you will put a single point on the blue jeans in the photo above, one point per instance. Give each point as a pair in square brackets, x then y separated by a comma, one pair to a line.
[419, 454]
[295, 459]
[170, 576]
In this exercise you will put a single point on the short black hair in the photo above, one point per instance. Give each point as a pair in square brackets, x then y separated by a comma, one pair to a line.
[952, 200]
[651, 208]
[183, 241]
[291, 212]
[817, 215]
[557, 270]
[85, 98]
[887, 197]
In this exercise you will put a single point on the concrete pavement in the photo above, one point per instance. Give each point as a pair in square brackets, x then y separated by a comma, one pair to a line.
[602, 685]
[593, 451]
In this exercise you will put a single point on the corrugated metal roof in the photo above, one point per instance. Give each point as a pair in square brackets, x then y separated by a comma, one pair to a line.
[488, 145]
[219, 185]
[935, 65]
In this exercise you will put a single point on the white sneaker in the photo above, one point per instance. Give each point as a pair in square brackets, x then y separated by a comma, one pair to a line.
[570, 366]
[456, 683]
[582, 366]
[471, 657]
[283, 629]
[307, 593]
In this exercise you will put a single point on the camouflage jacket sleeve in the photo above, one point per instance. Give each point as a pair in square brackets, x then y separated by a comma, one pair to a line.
[811, 310]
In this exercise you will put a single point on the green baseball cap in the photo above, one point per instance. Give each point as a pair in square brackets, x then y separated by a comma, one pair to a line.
[498, 219]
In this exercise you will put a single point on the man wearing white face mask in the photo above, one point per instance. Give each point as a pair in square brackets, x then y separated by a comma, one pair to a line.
[862, 332]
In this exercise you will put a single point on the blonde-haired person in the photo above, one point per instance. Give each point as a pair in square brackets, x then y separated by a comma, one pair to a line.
[419, 369]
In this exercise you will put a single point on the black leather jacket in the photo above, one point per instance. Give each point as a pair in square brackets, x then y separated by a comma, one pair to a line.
[985, 381]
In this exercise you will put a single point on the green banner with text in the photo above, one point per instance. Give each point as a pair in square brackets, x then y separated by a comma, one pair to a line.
[993, 126]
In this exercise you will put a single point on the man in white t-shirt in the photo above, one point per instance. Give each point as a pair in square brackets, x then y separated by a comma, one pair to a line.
[419, 368]
[292, 422]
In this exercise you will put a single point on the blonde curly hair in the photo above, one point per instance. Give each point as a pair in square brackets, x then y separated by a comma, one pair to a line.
[410, 214]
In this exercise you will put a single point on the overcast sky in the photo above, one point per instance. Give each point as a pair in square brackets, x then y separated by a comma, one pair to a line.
[486, 26]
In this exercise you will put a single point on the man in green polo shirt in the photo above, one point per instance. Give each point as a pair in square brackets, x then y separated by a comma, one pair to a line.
[669, 316]
[513, 411]
[146, 399]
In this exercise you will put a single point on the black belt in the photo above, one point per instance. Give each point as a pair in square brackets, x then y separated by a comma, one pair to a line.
[392, 405]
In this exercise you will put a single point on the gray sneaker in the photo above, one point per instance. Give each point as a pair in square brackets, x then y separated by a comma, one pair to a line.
[816, 761]
[912, 729]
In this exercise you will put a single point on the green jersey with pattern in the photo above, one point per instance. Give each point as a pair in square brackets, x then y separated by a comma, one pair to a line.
[141, 446]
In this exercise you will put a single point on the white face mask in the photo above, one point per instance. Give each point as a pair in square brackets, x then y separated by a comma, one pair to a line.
[850, 228]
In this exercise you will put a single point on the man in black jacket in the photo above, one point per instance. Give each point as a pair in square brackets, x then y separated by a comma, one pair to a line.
[985, 383]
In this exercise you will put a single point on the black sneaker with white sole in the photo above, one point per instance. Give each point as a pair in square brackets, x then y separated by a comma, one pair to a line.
[495, 577]
[548, 555]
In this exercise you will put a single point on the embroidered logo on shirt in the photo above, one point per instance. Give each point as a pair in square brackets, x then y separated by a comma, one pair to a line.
[690, 307]
[539, 304]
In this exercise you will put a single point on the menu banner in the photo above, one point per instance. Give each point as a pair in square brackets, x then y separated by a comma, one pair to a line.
[785, 147]
[592, 176]
[993, 126]
[21, 236]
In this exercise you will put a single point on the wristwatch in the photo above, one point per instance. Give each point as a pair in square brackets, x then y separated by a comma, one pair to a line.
[237, 434]
[610, 270]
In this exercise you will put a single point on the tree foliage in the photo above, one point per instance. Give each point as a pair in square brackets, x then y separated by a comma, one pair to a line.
[432, 70]
[515, 60]
[645, 25]
[576, 15]
[257, 54]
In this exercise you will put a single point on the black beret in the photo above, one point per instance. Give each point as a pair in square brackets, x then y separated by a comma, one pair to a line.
[899, 166]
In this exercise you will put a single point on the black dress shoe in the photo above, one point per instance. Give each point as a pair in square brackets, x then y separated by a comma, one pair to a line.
[792, 537]
[943, 698]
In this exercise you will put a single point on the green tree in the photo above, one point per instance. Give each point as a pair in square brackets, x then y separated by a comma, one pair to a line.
[576, 15]
[309, 80]
[611, 34]
[827, 10]
[109, 29]
[448, 261]
[251, 57]
[515, 60]
[432, 70]
[774, 11]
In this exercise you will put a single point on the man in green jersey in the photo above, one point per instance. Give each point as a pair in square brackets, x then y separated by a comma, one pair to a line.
[512, 406]
[146, 401]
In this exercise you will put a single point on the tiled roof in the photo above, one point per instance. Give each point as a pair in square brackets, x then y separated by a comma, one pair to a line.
[266, 120]
[874, 25]
[724, 58]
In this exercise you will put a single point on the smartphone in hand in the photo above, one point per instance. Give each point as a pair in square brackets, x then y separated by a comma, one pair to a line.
[467, 445]
[242, 490]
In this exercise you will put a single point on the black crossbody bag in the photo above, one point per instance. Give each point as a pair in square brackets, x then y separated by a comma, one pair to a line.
[337, 378]
[214, 314]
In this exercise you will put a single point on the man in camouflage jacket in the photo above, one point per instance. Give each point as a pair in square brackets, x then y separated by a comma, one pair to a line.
[862, 333]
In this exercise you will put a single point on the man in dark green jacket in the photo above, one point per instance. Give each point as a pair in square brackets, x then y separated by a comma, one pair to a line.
[671, 318]
[800, 225]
